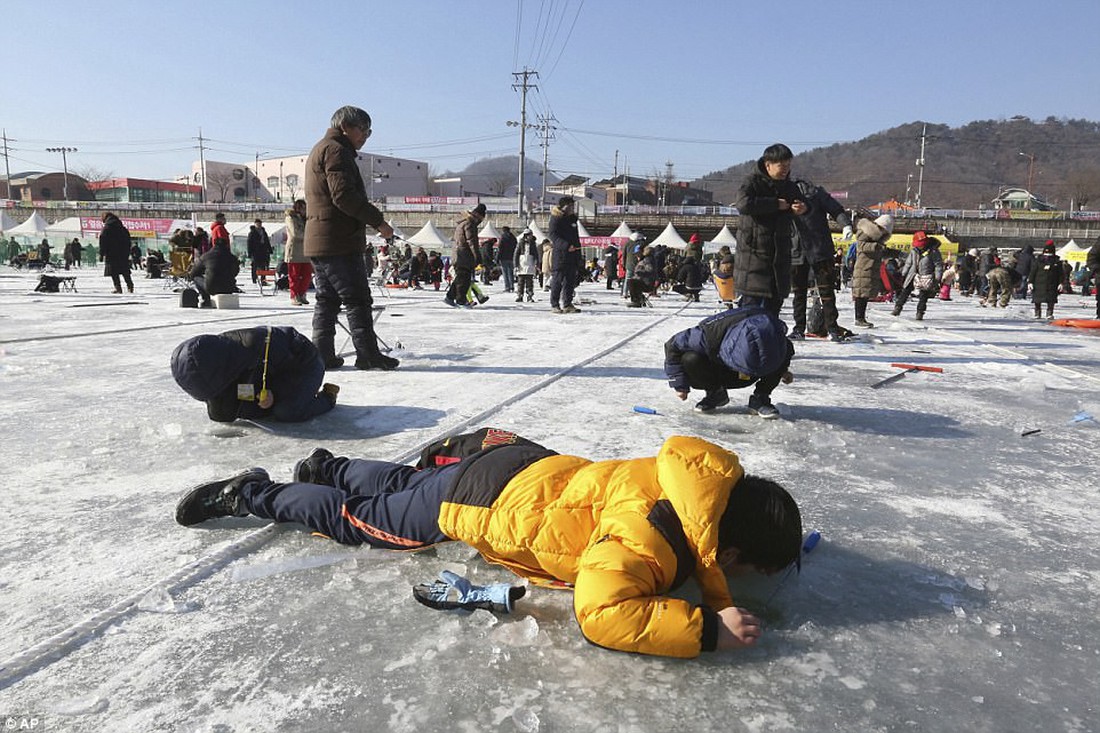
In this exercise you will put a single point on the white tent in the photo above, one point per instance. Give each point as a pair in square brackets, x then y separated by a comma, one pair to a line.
[34, 225]
[623, 231]
[670, 238]
[581, 231]
[68, 227]
[376, 239]
[275, 232]
[1073, 252]
[429, 236]
[723, 237]
[537, 231]
[6, 222]
[488, 232]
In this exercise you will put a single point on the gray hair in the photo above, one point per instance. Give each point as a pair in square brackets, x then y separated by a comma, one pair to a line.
[351, 117]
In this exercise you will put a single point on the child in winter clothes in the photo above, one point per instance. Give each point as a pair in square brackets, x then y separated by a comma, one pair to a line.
[871, 239]
[622, 533]
[731, 350]
[922, 272]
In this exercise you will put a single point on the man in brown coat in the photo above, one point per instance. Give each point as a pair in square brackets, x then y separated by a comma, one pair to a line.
[335, 238]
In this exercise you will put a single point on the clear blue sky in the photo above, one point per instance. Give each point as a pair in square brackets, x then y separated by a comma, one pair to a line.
[703, 84]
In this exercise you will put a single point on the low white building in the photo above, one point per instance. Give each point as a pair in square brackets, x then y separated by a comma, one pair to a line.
[268, 180]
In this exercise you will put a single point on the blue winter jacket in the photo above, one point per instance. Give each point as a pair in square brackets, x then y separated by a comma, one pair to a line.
[226, 371]
[751, 341]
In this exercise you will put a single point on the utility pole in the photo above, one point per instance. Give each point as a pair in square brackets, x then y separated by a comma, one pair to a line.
[547, 135]
[256, 176]
[616, 173]
[202, 169]
[523, 86]
[920, 165]
[65, 163]
[668, 182]
[7, 168]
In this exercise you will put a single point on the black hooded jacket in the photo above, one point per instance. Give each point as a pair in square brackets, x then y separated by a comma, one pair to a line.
[211, 368]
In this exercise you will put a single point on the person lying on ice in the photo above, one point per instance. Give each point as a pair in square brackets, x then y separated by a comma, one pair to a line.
[623, 533]
[731, 350]
[254, 373]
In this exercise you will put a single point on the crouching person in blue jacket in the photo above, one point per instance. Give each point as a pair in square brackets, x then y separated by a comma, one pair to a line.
[730, 350]
[269, 372]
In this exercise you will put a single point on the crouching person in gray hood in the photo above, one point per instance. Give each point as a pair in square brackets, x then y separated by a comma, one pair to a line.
[270, 372]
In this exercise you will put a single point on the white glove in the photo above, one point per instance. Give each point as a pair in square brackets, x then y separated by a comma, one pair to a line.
[846, 233]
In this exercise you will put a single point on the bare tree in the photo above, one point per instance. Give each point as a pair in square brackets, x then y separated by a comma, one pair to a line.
[499, 183]
[221, 181]
[1084, 186]
[92, 173]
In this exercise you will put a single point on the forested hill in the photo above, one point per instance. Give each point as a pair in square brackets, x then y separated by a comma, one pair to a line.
[965, 167]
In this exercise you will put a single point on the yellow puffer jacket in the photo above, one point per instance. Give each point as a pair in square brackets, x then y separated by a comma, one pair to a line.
[592, 525]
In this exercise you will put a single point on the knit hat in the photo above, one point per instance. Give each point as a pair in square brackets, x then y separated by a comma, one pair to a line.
[919, 239]
[973, 253]
[1048, 248]
[886, 222]
[526, 231]
[565, 201]
[727, 260]
[694, 239]
[478, 210]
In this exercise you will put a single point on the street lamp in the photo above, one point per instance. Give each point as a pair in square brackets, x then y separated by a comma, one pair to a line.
[280, 180]
[65, 163]
[1030, 169]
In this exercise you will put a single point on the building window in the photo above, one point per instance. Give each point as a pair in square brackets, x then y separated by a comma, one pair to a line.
[272, 182]
[292, 180]
[239, 193]
[238, 174]
[46, 193]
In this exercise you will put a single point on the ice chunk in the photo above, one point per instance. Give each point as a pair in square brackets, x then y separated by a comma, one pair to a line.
[80, 706]
[159, 601]
[526, 720]
[519, 633]
[455, 551]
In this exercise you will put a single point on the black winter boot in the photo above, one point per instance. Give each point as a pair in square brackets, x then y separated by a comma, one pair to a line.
[217, 498]
[311, 469]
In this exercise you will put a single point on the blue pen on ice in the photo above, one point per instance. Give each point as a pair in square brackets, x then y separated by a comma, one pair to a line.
[644, 410]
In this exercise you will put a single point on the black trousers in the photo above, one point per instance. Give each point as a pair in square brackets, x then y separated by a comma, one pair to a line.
[702, 373]
[460, 285]
[343, 281]
[800, 285]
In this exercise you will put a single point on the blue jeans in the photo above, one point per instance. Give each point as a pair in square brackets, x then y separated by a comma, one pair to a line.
[378, 503]
[772, 304]
[508, 273]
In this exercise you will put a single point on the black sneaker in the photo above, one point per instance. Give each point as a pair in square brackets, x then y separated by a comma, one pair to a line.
[216, 499]
[450, 302]
[311, 469]
[334, 362]
[864, 323]
[797, 336]
[378, 361]
[763, 407]
[713, 400]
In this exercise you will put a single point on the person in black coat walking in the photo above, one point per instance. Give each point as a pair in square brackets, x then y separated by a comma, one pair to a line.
[767, 201]
[114, 251]
[263, 372]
